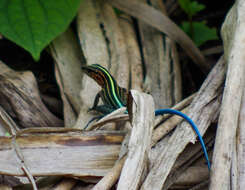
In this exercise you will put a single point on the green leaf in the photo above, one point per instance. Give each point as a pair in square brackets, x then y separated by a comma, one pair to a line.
[117, 11]
[200, 32]
[33, 24]
[7, 134]
[191, 7]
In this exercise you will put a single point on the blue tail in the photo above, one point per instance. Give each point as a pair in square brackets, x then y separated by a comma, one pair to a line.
[176, 112]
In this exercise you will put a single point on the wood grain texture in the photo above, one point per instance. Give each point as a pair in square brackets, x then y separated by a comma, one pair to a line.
[68, 59]
[72, 154]
[133, 50]
[19, 96]
[161, 79]
[161, 22]
[116, 44]
[102, 42]
[202, 111]
[192, 156]
[232, 97]
[94, 48]
[111, 177]
[240, 147]
[139, 142]
[65, 51]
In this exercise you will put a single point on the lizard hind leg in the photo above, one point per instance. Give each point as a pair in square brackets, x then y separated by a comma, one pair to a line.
[94, 118]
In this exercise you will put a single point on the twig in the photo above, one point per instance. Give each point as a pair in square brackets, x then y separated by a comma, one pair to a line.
[202, 110]
[23, 164]
[111, 177]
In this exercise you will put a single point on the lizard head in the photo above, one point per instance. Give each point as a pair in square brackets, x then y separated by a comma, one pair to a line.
[98, 73]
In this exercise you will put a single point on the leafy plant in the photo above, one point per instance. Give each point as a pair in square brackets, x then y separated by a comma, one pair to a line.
[198, 31]
[33, 24]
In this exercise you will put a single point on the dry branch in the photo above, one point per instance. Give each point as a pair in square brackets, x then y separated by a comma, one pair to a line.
[166, 127]
[240, 147]
[191, 156]
[73, 154]
[193, 175]
[133, 50]
[19, 96]
[102, 42]
[139, 142]
[65, 51]
[111, 177]
[161, 22]
[202, 110]
[162, 69]
[234, 37]
[7, 124]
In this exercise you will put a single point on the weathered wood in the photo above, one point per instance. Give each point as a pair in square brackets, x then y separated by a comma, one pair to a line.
[240, 147]
[134, 56]
[202, 110]
[116, 44]
[233, 36]
[94, 48]
[179, 106]
[162, 69]
[171, 58]
[7, 124]
[102, 42]
[65, 184]
[192, 176]
[139, 142]
[161, 22]
[19, 96]
[73, 154]
[191, 156]
[111, 177]
[166, 127]
[68, 58]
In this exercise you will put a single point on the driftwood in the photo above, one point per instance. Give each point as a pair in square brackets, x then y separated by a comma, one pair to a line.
[233, 36]
[68, 58]
[240, 142]
[102, 42]
[73, 154]
[193, 175]
[137, 156]
[7, 124]
[163, 78]
[111, 177]
[155, 154]
[19, 96]
[202, 110]
[161, 22]
[65, 184]
[133, 51]
[192, 156]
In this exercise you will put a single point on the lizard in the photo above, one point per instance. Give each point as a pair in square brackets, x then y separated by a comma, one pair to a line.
[114, 97]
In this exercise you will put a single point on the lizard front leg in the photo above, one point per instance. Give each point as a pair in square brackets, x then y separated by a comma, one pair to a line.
[105, 108]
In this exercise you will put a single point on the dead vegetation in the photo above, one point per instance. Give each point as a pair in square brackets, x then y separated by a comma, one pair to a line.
[121, 151]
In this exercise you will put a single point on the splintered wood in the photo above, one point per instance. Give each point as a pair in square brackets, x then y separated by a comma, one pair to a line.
[20, 97]
[73, 154]
[202, 110]
[137, 46]
[225, 166]
[138, 149]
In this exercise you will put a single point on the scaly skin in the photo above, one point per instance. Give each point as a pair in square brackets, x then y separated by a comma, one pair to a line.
[114, 97]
